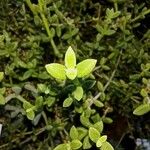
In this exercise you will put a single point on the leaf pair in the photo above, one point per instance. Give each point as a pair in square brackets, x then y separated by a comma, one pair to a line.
[100, 141]
[71, 70]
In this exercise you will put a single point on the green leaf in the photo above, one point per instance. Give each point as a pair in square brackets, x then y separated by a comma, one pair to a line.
[2, 99]
[1, 76]
[50, 101]
[94, 134]
[67, 102]
[70, 58]
[27, 105]
[86, 143]
[30, 114]
[75, 144]
[98, 103]
[107, 120]
[74, 133]
[99, 126]
[42, 88]
[98, 143]
[144, 93]
[71, 73]
[39, 101]
[101, 140]
[82, 132]
[78, 93]
[106, 146]
[2, 90]
[142, 109]
[85, 121]
[61, 147]
[56, 70]
[85, 67]
[100, 86]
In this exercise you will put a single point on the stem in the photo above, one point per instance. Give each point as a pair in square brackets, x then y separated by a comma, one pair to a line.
[140, 16]
[107, 84]
[49, 34]
[30, 5]
[116, 6]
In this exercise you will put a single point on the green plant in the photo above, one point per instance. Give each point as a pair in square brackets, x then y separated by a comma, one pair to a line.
[73, 71]
[38, 111]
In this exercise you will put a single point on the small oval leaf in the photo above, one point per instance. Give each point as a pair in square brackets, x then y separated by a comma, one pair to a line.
[85, 67]
[86, 143]
[70, 58]
[74, 133]
[2, 99]
[75, 144]
[61, 147]
[56, 70]
[78, 93]
[67, 102]
[71, 73]
[106, 146]
[142, 109]
[1, 76]
[94, 134]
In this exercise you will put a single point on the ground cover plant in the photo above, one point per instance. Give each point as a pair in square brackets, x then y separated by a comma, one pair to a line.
[74, 74]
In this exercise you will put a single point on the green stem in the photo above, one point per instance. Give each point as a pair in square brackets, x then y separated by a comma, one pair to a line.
[30, 5]
[140, 16]
[116, 6]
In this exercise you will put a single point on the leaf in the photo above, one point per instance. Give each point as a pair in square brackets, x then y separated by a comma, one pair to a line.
[142, 109]
[39, 101]
[67, 102]
[98, 104]
[1, 76]
[30, 114]
[107, 120]
[106, 146]
[78, 93]
[101, 140]
[36, 119]
[86, 143]
[50, 101]
[56, 71]
[2, 99]
[70, 58]
[74, 133]
[61, 147]
[75, 144]
[71, 73]
[82, 132]
[94, 134]
[85, 121]
[85, 67]
[100, 86]
[27, 105]
[144, 93]
[99, 126]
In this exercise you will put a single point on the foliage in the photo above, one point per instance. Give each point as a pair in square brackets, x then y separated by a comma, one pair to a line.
[48, 103]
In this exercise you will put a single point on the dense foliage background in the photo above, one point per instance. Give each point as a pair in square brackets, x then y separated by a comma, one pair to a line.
[115, 32]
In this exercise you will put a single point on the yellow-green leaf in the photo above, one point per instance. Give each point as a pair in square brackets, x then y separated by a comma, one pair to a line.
[74, 133]
[106, 146]
[71, 73]
[75, 144]
[78, 93]
[142, 109]
[1, 76]
[2, 99]
[56, 71]
[67, 102]
[70, 58]
[85, 67]
[94, 134]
